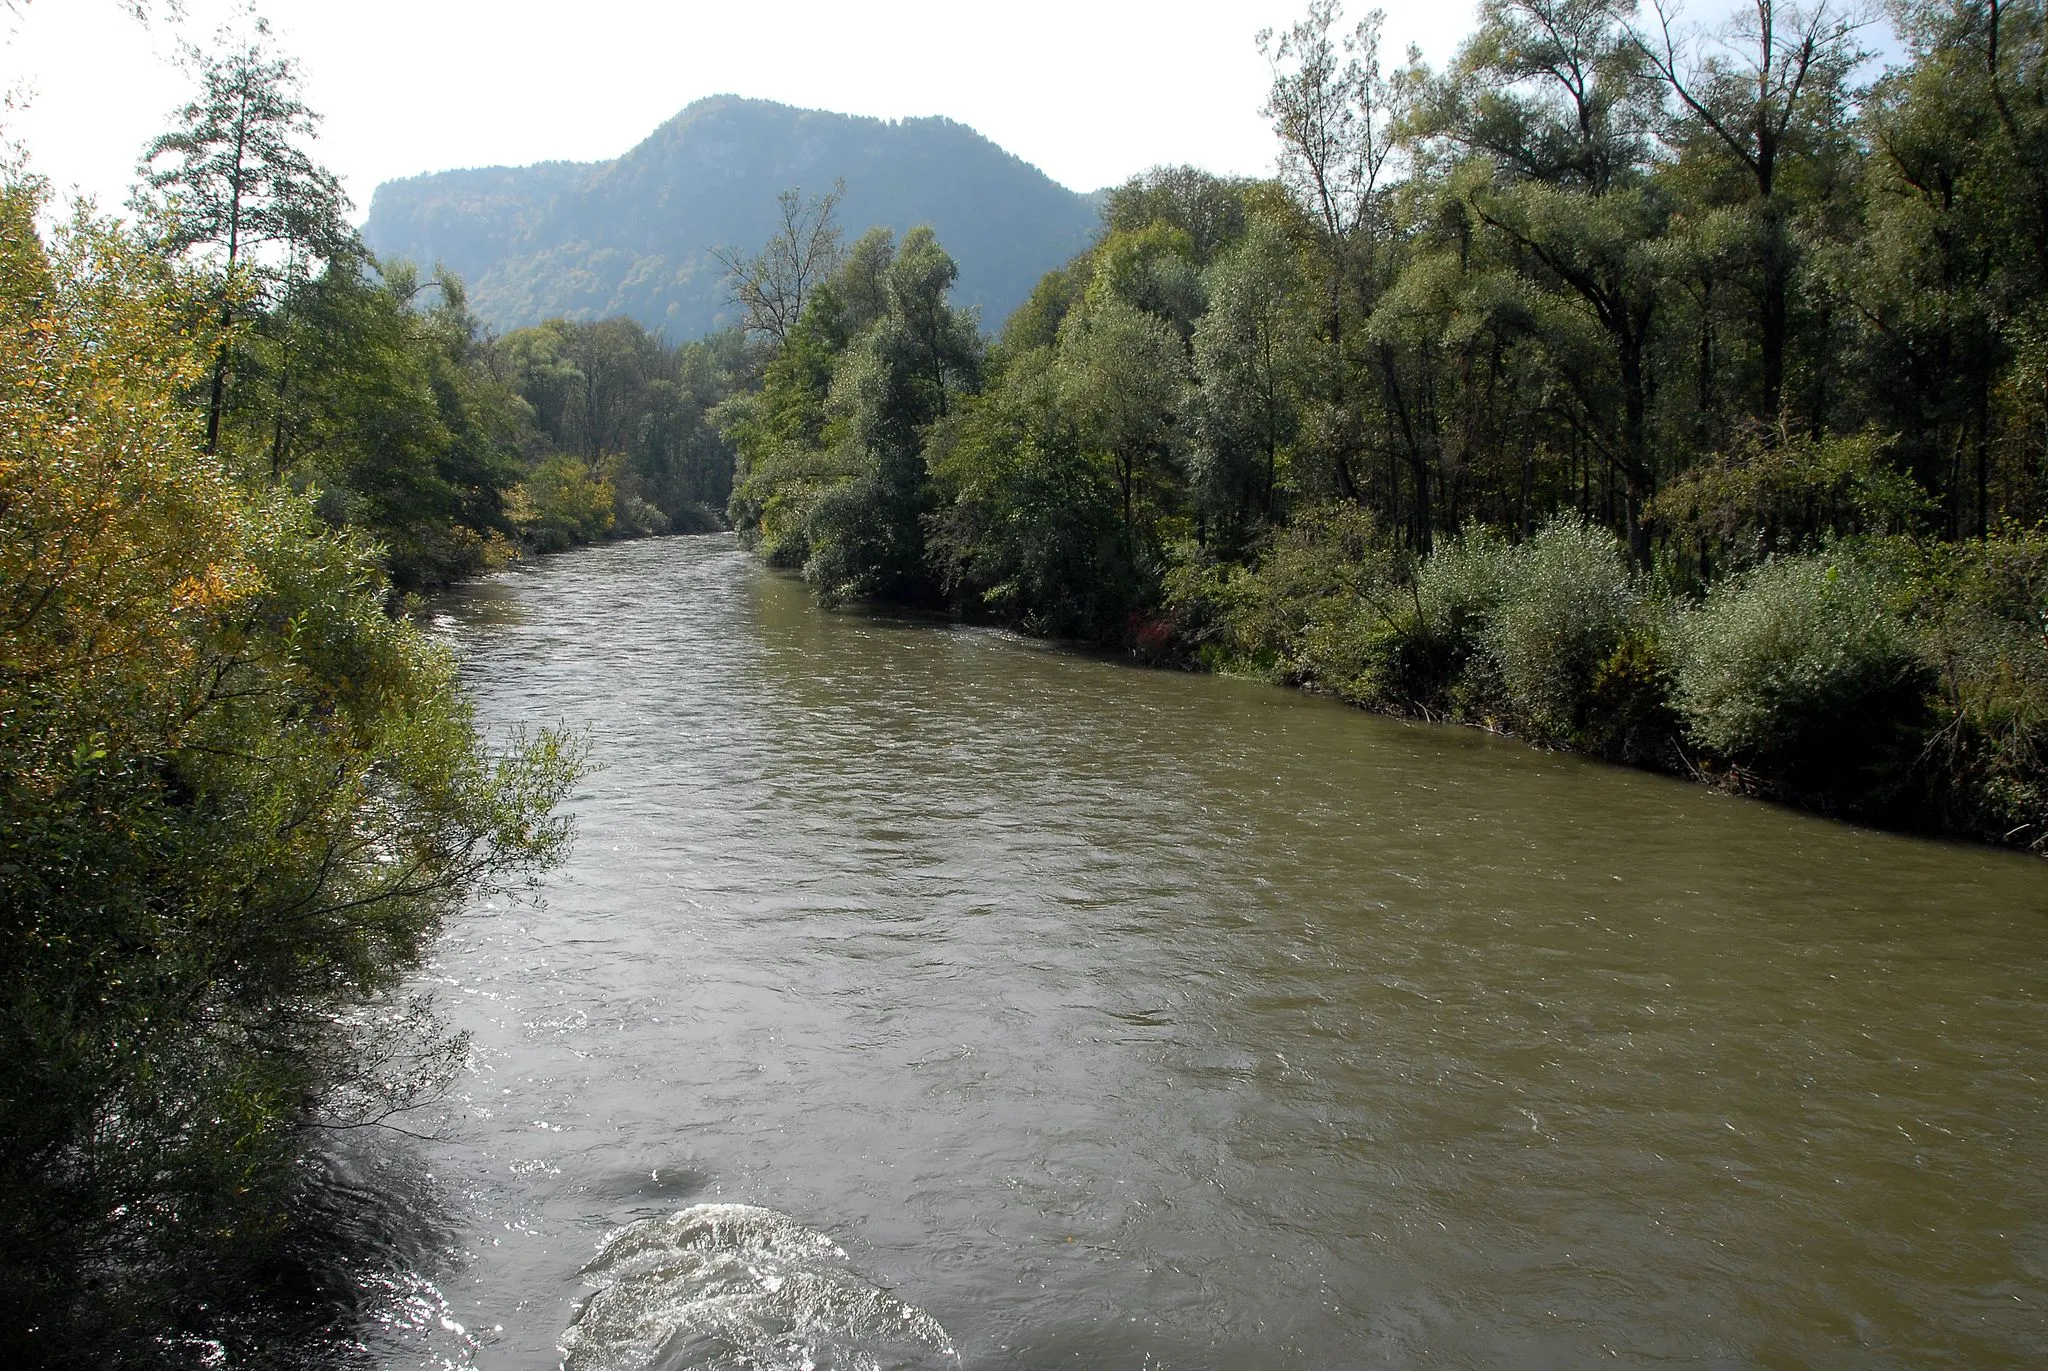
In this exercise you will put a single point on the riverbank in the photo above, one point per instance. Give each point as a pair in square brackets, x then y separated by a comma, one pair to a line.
[1881, 680]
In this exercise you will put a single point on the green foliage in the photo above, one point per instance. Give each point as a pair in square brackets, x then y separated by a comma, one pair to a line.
[236, 800]
[234, 188]
[832, 472]
[1330, 606]
[1027, 526]
[1457, 589]
[1250, 356]
[564, 502]
[611, 389]
[1549, 637]
[1121, 373]
[1783, 492]
[345, 387]
[1209, 213]
[1801, 673]
[1151, 269]
[234, 177]
[1563, 604]
[1982, 607]
[1036, 322]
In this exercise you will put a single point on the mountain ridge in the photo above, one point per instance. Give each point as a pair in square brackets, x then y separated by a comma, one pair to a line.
[634, 235]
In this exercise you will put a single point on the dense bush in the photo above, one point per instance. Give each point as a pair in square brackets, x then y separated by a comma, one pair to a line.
[565, 502]
[1562, 605]
[1313, 610]
[1982, 608]
[1518, 635]
[1027, 526]
[1800, 673]
[1773, 491]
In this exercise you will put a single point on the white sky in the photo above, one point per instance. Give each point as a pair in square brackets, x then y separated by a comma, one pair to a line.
[1088, 90]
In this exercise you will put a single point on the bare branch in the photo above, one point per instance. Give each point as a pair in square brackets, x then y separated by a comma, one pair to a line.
[774, 286]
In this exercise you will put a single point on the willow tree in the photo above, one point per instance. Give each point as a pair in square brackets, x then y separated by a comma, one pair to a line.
[1249, 359]
[1762, 94]
[1548, 97]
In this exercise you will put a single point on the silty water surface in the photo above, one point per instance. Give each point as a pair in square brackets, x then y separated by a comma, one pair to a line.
[1115, 1018]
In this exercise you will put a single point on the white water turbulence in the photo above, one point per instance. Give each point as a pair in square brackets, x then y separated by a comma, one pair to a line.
[735, 1287]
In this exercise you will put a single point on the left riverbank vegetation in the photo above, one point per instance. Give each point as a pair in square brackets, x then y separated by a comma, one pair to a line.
[373, 388]
[238, 792]
[1673, 395]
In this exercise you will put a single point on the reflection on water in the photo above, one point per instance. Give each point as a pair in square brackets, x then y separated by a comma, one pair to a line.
[1114, 1018]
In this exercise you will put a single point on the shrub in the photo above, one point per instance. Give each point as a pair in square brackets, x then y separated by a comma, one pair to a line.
[1983, 610]
[565, 502]
[1628, 715]
[1455, 592]
[1563, 602]
[1775, 492]
[1319, 610]
[1800, 674]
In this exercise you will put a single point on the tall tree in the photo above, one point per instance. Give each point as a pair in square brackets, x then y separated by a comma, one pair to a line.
[1337, 113]
[234, 185]
[1547, 93]
[236, 799]
[1122, 373]
[1767, 87]
[1248, 360]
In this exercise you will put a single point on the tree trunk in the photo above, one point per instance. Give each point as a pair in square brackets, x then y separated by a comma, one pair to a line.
[218, 399]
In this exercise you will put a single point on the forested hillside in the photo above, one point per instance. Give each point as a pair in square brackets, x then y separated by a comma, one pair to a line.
[1658, 392]
[636, 236]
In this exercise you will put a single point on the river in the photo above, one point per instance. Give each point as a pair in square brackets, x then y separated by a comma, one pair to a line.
[1096, 1017]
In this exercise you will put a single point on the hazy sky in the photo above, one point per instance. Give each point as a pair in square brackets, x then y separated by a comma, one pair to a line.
[1088, 90]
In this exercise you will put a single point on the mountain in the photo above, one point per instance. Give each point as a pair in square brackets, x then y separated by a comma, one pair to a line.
[634, 236]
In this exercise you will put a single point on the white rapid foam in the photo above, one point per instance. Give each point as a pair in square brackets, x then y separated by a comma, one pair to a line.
[734, 1287]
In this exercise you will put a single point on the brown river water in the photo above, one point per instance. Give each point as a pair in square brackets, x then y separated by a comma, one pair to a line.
[1052, 1012]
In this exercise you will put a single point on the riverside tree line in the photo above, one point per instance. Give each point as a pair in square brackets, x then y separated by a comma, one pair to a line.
[1679, 396]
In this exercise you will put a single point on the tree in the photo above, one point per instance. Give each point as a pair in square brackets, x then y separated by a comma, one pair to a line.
[1547, 93]
[1026, 524]
[1209, 209]
[889, 387]
[237, 798]
[234, 186]
[773, 286]
[381, 405]
[1249, 357]
[1122, 373]
[1337, 114]
[1951, 278]
[1768, 87]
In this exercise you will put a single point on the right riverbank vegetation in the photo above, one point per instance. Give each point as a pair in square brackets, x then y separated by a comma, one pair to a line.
[1678, 397]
